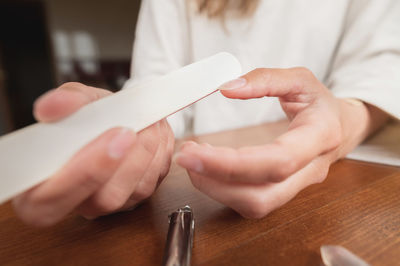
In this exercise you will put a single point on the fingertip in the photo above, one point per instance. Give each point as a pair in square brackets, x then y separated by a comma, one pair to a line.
[56, 104]
[35, 215]
[39, 106]
[176, 157]
[233, 94]
[234, 84]
[196, 149]
[189, 161]
[189, 143]
[236, 89]
[228, 94]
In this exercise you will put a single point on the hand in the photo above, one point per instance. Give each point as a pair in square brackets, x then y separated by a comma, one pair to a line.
[112, 173]
[256, 180]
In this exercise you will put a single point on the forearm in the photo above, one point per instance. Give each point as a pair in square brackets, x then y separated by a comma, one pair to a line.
[359, 120]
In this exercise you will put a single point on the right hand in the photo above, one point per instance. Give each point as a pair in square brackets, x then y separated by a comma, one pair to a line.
[114, 172]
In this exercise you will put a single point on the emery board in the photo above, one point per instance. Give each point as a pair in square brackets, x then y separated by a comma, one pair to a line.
[30, 155]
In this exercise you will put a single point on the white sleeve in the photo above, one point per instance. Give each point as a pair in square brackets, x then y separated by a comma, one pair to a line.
[161, 45]
[367, 62]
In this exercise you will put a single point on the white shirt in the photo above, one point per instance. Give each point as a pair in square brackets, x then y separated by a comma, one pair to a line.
[352, 46]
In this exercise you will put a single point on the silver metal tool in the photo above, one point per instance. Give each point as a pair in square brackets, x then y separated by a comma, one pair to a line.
[178, 248]
[339, 256]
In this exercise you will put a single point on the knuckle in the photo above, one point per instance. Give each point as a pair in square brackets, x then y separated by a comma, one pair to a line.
[260, 70]
[255, 208]
[36, 220]
[108, 202]
[279, 175]
[290, 165]
[42, 222]
[323, 170]
[142, 193]
[264, 73]
[144, 190]
[33, 217]
[303, 71]
[149, 145]
[286, 167]
[99, 169]
[165, 159]
[165, 169]
[320, 177]
[92, 181]
[170, 151]
[302, 76]
[233, 172]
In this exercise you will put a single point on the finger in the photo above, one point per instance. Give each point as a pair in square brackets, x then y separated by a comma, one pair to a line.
[159, 166]
[77, 180]
[68, 98]
[254, 165]
[157, 170]
[256, 201]
[113, 195]
[164, 158]
[290, 83]
[152, 178]
[168, 140]
[161, 162]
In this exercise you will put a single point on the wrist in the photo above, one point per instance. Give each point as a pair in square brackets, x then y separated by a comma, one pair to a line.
[358, 120]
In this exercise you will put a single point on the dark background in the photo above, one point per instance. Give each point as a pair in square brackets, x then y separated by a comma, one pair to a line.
[33, 37]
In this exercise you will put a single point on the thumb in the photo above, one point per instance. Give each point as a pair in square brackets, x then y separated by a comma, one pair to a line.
[65, 100]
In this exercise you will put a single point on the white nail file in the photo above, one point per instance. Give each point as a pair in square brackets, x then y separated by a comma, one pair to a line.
[32, 154]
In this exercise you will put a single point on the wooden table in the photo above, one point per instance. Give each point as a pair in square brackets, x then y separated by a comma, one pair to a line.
[358, 207]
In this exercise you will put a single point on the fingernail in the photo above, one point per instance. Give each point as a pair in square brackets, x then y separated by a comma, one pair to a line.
[120, 144]
[190, 162]
[188, 143]
[234, 84]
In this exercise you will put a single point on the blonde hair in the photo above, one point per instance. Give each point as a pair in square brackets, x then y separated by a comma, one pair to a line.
[219, 8]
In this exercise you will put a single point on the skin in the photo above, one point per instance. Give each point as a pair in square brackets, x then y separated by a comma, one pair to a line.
[120, 168]
[256, 180]
[114, 172]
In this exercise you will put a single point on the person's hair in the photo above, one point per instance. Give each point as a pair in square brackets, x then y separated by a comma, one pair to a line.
[218, 8]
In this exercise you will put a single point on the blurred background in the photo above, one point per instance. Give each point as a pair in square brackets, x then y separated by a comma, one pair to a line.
[44, 43]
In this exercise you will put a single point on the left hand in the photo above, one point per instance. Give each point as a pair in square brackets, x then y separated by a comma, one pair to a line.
[256, 180]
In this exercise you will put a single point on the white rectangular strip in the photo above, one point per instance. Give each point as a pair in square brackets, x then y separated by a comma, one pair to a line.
[32, 154]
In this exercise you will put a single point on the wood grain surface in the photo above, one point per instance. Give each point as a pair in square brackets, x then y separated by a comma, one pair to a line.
[358, 207]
